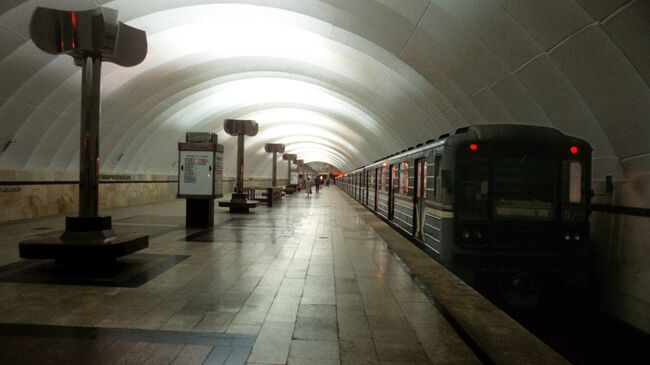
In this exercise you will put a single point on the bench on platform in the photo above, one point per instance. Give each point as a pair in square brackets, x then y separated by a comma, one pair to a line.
[269, 195]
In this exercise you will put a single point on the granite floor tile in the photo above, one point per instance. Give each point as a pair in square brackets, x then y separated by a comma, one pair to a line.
[309, 328]
[327, 291]
[440, 352]
[272, 277]
[346, 286]
[238, 356]
[300, 261]
[292, 287]
[403, 353]
[314, 350]
[216, 322]
[358, 351]
[312, 362]
[181, 322]
[422, 314]
[381, 305]
[349, 299]
[192, 354]
[262, 294]
[410, 296]
[283, 309]
[296, 274]
[351, 328]
[253, 314]
[317, 311]
[244, 329]
[218, 355]
[272, 344]
[164, 354]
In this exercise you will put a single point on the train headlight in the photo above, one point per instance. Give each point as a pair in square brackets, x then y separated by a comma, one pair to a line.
[478, 234]
[567, 237]
[576, 237]
[465, 234]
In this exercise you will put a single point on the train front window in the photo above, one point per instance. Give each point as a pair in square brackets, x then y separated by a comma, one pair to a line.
[572, 208]
[472, 198]
[575, 182]
[524, 188]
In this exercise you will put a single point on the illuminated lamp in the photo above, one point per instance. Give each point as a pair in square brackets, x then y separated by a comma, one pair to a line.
[473, 147]
[574, 150]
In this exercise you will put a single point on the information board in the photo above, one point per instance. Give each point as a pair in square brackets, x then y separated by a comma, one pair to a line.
[218, 175]
[195, 175]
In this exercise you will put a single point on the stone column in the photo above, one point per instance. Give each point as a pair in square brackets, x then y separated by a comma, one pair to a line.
[274, 148]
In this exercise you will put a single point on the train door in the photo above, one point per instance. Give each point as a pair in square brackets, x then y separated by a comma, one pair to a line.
[356, 186]
[420, 196]
[366, 178]
[376, 184]
[360, 186]
[391, 192]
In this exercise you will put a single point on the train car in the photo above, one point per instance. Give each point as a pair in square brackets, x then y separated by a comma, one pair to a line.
[498, 203]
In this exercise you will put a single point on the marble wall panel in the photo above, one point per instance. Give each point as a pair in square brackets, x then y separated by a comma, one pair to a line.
[33, 201]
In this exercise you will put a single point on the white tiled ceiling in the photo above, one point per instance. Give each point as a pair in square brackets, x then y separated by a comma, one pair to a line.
[343, 82]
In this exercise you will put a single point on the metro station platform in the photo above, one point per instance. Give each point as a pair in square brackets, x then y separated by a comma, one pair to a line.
[316, 280]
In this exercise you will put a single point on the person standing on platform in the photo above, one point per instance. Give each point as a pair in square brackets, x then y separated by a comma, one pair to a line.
[317, 183]
[308, 185]
[327, 182]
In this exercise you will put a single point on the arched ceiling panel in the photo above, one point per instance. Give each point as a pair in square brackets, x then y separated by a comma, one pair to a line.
[345, 75]
[386, 70]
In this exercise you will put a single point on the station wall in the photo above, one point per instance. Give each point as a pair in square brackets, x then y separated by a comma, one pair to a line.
[621, 243]
[58, 193]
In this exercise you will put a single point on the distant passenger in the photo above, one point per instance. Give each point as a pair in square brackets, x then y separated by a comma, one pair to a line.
[317, 183]
[308, 185]
[327, 182]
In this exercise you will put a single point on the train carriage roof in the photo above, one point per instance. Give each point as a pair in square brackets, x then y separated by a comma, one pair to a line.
[513, 133]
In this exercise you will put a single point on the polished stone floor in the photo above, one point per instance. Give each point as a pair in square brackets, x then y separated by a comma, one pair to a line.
[304, 282]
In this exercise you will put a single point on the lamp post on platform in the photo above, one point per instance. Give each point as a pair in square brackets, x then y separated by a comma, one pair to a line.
[289, 157]
[90, 38]
[239, 202]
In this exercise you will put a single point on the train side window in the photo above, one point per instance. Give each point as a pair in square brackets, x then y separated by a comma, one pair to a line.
[430, 180]
[437, 185]
[404, 178]
[394, 179]
[382, 179]
[574, 170]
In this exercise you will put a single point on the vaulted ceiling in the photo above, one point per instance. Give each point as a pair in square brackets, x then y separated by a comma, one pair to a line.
[343, 82]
